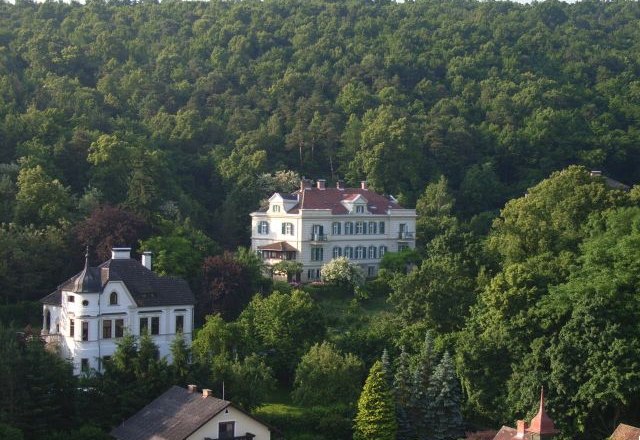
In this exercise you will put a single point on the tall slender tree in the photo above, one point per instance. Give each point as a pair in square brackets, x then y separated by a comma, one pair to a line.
[402, 392]
[444, 416]
[376, 418]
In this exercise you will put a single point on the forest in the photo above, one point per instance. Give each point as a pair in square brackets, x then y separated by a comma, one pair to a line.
[161, 126]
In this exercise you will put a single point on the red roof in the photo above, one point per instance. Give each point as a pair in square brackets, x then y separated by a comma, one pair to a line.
[280, 246]
[625, 432]
[331, 198]
[542, 423]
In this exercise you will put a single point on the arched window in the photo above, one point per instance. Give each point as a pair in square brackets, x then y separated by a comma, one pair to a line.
[348, 228]
[335, 228]
[287, 228]
[348, 252]
[337, 252]
[383, 250]
[113, 299]
[359, 252]
[263, 227]
[372, 252]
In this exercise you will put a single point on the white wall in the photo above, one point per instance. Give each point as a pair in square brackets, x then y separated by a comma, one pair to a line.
[243, 425]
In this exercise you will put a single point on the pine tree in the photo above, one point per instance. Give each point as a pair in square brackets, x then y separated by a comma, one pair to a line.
[418, 403]
[402, 391]
[180, 353]
[444, 396]
[376, 417]
[386, 367]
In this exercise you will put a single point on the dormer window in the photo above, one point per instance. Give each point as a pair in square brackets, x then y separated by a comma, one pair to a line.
[359, 209]
[275, 208]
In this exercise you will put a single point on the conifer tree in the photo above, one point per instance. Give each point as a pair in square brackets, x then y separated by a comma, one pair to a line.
[444, 396]
[376, 417]
[418, 403]
[386, 367]
[402, 391]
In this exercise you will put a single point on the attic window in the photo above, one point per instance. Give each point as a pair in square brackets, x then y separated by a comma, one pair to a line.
[113, 299]
[275, 208]
[71, 298]
[359, 209]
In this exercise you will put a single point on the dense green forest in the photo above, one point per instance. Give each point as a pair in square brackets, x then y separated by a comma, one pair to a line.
[162, 125]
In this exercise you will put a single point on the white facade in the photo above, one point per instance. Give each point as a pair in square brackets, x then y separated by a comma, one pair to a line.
[85, 327]
[241, 423]
[351, 222]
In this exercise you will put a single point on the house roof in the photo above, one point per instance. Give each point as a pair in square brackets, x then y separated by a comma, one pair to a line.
[332, 198]
[147, 288]
[174, 415]
[280, 246]
[542, 423]
[625, 432]
[506, 433]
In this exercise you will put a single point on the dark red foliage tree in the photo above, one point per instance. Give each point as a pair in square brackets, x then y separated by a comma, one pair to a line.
[110, 226]
[226, 286]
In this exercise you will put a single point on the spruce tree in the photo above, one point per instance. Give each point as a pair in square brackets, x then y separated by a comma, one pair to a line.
[444, 397]
[386, 367]
[376, 417]
[402, 391]
[418, 403]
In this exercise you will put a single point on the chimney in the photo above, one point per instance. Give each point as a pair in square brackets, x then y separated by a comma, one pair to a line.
[146, 259]
[363, 184]
[192, 388]
[120, 253]
[305, 184]
[340, 184]
[206, 392]
[321, 184]
[521, 427]
[596, 173]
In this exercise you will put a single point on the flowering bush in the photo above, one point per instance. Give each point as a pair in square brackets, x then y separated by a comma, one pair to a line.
[342, 271]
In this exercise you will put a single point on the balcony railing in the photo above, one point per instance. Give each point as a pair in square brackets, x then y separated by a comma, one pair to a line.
[318, 237]
[405, 235]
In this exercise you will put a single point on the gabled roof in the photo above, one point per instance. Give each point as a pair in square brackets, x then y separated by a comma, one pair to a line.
[147, 288]
[174, 415]
[625, 432]
[332, 198]
[280, 246]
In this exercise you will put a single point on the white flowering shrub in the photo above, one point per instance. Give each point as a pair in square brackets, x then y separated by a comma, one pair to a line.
[343, 272]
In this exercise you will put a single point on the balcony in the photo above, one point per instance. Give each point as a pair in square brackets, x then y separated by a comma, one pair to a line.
[405, 235]
[318, 237]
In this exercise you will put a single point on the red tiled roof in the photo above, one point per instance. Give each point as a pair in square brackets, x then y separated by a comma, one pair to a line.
[506, 433]
[542, 423]
[331, 198]
[625, 432]
[281, 246]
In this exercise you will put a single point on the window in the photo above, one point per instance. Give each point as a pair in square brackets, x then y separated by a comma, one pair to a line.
[71, 298]
[263, 228]
[317, 254]
[359, 209]
[372, 252]
[359, 228]
[47, 321]
[119, 327]
[155, 325]
[373, 228]
[85, 330]
[144, 325]
[335, 228]
[226, 430]
[383, 250]
[152, 322]
[364, 228]
[381, 227]
[72, 327]
[287, 228]
[179, 324]
[84, 365]
[106, 329]
[85, 303]
[113, 299]
[337, 252]
[402, 247]
[371, 271]
[275, 208]
[359, 252]
[313, 274]
[348, 252]
[348, 228]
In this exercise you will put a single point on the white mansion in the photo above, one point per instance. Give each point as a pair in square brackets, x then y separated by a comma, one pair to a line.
[85, 315]
[316, 224]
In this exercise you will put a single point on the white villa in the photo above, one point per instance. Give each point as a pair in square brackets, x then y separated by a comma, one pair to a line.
[85, 315]
[316, 224]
